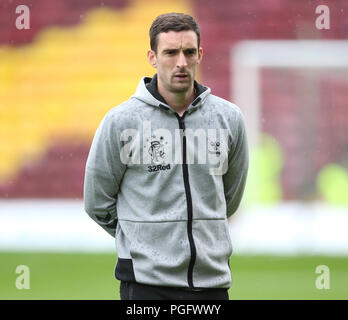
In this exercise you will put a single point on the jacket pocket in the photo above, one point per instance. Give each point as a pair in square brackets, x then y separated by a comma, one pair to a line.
[214, 248]
[161, 253]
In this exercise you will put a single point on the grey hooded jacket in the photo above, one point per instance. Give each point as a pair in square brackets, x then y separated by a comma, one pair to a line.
[164, 186]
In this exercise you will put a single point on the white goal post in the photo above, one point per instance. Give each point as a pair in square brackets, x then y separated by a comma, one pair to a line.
[248, 57]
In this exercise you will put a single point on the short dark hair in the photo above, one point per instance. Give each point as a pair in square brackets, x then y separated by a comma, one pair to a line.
[172, 22]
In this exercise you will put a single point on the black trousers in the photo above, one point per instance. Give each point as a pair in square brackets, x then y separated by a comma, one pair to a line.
[136, 291]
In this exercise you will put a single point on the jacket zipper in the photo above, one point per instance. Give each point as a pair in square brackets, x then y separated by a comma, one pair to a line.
[189, 203]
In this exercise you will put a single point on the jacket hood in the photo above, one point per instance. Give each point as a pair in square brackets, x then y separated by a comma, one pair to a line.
[148, 93]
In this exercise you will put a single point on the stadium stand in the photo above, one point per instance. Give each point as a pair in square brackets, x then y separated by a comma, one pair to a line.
[61, 76]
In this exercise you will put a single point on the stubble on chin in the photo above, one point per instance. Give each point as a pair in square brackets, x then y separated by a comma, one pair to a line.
[181, 87]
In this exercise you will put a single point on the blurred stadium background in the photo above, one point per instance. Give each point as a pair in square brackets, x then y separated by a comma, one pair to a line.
[81, 58]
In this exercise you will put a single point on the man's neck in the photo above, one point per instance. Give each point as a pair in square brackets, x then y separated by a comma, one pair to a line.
[178, 101]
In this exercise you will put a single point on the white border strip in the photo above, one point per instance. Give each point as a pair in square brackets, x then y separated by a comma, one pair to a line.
[287, 228]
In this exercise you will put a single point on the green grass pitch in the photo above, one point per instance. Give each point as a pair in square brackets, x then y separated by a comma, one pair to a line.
[90, 276]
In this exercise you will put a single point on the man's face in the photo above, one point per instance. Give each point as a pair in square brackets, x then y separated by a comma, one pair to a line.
[176, 60]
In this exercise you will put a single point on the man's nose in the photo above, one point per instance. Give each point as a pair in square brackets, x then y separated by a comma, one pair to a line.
[181, 62]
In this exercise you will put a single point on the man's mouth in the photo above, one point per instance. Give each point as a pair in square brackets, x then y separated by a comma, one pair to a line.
[181, 76]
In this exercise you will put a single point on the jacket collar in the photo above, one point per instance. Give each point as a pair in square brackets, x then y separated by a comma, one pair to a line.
[151, 86]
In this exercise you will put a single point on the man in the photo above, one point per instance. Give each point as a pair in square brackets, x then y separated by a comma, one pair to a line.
[165, 170]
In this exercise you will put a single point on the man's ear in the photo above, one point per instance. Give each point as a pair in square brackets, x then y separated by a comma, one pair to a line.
[151, 57]
[200, 55]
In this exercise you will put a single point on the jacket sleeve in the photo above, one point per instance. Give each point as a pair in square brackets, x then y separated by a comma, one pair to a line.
[103, 175]
[238, 163]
